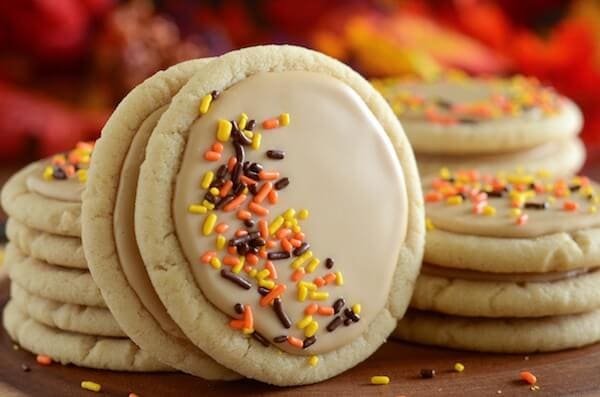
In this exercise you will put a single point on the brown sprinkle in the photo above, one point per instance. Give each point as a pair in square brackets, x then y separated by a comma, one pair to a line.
[302, 249]
[280, 339]
[236, 279]
[284, 319]
[336, 322]
[278, 255]
[282, 183]
[427, 373]
[338, 305]
[276, 154]
[308, 342]
[263, 341]
[239, 308]
[329, 263]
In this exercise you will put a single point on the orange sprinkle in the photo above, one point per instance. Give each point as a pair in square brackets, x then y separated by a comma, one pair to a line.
[271, 244]
[286, 245]
[516, 204]
[231, 260]
[299, 236]
[570, 205]
[326, 311]
[247, 181]
[329, 278]
[268, 175]
[263, 192]
[231, 163]
[479, 197]
[244, 215]
[217, 147]
[538, 187]
[274, 293]
[248, 317]
[43, 360]
[247, 268]
[311, 309]
[232, 250]
[226, 188]
[296, 243]
[69, 170]
[528, 377]
[258, 209]
[560, 192]
[263, 253]
[207, 256]
[320, 281]
[298, 274]
[273, 196]
[236, 324]
[521, 220]
[284, 232]
[263, 228]
[272, 270]
[432, 197]
[240, 232]
[478, 207]
[235, 203]
[269, 124]
[252, 259]
[295, 342]
[212, 156]
[221, 228]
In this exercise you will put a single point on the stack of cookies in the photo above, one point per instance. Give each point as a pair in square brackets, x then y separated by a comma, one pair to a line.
[511, 263]
[254, 215]
[491, 124]
[56, 309]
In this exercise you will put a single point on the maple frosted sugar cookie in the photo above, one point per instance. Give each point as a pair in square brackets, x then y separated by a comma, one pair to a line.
[46, 195]
[456, 114]
[279, 220]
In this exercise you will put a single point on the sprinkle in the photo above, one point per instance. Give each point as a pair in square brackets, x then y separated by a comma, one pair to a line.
[311, 329]
[274, 293]
[280, 339]
[211, 155]
[433, 197]
[319, 281]
[329, 262]
[427, 373]
[302, 293]
[336, 322]
[521, 220]
[313, 361]
[209, 224]
[281, 314]
[339, 278]
[268, 175]
[338, 305]
[276, 154]
[220, 243]
[282, 183]
[197, 209]
[356, 308]
[515, 212]
[278, 255]
[43, 360]
[267, 283]
[308, 342]
[217, 147]
[270, 124]
[238, 268]
[488, 210]
[304, 322]
[242, 121]
[258, 209]
[235, 203]
[236, 279]
[311, 267]
[298, 274]
[252, 259]
[215, 263]
[207, 256]
[303, 214]
[380, 380]
[311, 309]
[325, 311]
[91, 386]
[329, 278]
[284, 119]
[133, 395]
[454, 200]
[459, 367]
[82, 175]
[295, 342]
[231, 260]
[429, 224]
[205, 104]
[264, 190]
[299, 261]
[570, 206]
[528, 377]
[260, 338]
[319, 296]
[286, 245]
[273, 197]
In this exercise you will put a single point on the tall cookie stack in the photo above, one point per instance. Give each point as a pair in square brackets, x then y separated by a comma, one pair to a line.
[490, 124]
[55, 308]
[511, 264]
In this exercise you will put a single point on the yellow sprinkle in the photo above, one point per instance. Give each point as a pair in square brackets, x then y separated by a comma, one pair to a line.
[252, 273]
[296, 229]
[299, 261]
[270, 284]
[356, 308]
[488, 210]
[586, 191]
[454, 200]
[214, 191]
[445, 173]
[302, 293]
[313, 361]
[284, 119]
[551, 199]
[459, 367]
[209, 224]
[238, 268]
[311, 329]
[592, 209]
[319, 296]
[243, 120]
[215, 262]
[208, 205]
[48, 173]
[256, 139]
[207, 179]
[82, 175]
[312, 265]
[339, 278]
[544, 173]
[303, 214]
[304, 322]
[515, 212]
[287, 224]
[247, 331]
[275, 225]
[205, 104]
[429, 224]
[220, 243]
[91, 386]
[380, 380]
[223, 130]
[294, 222]
[248, 134]
[289, 214]
[308, 285]
[197, 209]
[264, 273]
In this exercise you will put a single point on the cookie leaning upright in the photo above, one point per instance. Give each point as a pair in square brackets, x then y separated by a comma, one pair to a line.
[280, 218]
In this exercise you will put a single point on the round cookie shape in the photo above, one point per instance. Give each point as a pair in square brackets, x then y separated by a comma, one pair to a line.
[108, 229]
[265, 112]
[520, 335]
[480, 115]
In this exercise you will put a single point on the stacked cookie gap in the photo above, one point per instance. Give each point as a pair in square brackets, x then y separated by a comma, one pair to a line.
[55, 308]
[511, 263]
[490, 124]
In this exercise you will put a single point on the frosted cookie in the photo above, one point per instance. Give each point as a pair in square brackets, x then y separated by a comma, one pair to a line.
[117, 354]
[108, 226]
[66, 316]
[47, 247]
[480, 115]
[560, 158]
[279, 214]
[52, 282]
[46, 195]
[501, 335]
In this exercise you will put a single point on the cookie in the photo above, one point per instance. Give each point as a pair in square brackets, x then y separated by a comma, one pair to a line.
[47, 247]
[501, 335]
[480, 115]
[115, 354]
[560, 158]
[66, 316]
[46, 195]
[109, 241]
[52, 282]
[272, 185]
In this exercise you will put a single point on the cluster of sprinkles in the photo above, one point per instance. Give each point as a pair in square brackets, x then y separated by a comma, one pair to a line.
[250, 257]
[72, 164]
[509, 97]
[523, 191]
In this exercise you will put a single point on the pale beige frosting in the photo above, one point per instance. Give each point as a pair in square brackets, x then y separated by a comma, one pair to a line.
[127, 248]
[69, 189]
[342, 168]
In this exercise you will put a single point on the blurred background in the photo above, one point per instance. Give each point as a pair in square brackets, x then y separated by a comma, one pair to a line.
[65, 64]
